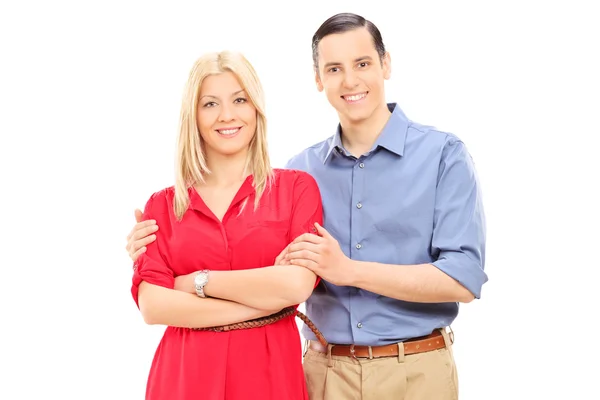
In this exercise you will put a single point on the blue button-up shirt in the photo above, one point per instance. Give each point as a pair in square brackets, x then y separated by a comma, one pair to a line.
[412, 199]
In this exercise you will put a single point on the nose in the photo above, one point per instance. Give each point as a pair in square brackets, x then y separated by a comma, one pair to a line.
[226, 113]
[350, 79]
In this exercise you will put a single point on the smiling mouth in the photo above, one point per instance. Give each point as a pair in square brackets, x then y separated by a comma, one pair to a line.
[354, 98]
[228, 131]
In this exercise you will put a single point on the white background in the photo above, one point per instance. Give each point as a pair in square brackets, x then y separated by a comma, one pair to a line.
[90, 95]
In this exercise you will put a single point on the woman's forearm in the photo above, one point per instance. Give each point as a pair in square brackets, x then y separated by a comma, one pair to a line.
[163, 306]
[267, 288]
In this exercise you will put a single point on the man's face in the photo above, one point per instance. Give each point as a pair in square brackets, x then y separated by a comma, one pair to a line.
[351, 74]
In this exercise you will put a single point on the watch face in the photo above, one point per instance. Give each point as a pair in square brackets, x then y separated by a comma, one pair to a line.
[201, 279]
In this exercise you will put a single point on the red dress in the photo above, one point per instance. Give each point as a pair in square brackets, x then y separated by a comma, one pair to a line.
[259, 363]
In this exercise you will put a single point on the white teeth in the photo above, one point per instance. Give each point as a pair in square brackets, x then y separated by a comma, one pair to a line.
[228, 131]
[355, 97]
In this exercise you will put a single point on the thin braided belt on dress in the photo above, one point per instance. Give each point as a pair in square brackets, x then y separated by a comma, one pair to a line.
[258, 322]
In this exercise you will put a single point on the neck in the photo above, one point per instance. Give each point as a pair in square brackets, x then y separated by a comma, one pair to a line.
[359, 136]
[226, 170]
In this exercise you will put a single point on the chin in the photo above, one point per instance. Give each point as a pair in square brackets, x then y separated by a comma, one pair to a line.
[357, 116]
[229, 152]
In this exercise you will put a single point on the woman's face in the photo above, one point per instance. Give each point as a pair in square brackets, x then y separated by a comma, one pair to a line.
[226, 118]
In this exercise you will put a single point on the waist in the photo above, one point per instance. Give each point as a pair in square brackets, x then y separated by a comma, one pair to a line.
[375, 320]
[253, 323]
[433, 341]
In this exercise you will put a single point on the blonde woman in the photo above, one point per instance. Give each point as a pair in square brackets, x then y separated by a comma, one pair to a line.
[222, 225]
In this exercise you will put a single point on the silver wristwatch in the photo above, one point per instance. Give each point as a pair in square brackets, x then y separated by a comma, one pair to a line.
[200, 280]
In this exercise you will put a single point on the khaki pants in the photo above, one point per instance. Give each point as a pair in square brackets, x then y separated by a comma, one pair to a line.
[423, 376]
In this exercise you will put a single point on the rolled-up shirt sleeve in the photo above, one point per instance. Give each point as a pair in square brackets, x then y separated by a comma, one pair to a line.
[151, 265]
[459, 232]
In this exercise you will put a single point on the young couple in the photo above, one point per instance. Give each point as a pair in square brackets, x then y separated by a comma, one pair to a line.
[380, 229]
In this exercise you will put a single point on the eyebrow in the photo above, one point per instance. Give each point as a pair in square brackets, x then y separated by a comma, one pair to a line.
[215, 97]
[356, 60]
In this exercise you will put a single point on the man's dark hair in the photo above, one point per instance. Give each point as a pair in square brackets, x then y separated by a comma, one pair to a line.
[344, 22]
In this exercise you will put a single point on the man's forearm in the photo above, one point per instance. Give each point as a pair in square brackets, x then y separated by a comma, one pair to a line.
[163, 306]
[268, 288]
[422, 283]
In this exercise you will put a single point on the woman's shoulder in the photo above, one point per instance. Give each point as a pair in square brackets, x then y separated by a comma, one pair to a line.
[162, 200]
[296, 183]
[286, 177]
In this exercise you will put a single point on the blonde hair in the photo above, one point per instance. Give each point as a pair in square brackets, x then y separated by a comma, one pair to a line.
[191, 163]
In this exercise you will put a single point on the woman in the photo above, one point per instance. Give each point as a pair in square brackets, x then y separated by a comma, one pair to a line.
[222, 226]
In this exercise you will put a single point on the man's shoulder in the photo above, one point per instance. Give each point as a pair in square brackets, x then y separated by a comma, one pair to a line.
[310, 156]
[430, 134]
[435, 144]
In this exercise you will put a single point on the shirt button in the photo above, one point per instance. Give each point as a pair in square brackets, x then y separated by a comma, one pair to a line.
[359, 325]
[358, 245]
[361, 165]
[359, 205]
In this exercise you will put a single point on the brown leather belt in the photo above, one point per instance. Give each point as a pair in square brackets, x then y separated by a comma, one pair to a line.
[434, 341]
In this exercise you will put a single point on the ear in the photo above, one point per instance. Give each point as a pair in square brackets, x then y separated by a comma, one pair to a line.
[318, 80]
[387, 65]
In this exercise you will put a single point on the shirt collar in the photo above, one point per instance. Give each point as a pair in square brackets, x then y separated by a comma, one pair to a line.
[392, 137]
[245, 190]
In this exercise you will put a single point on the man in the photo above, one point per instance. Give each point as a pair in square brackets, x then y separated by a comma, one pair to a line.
[403, 240]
